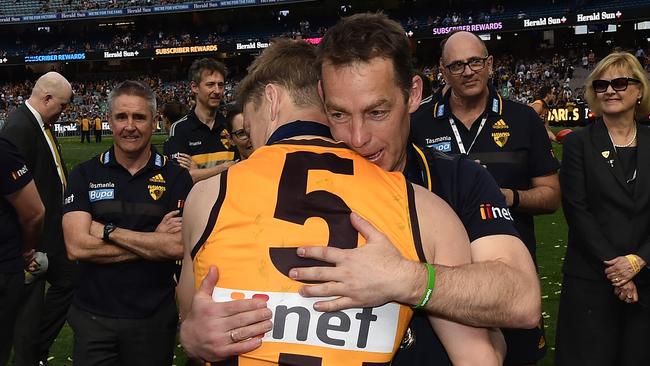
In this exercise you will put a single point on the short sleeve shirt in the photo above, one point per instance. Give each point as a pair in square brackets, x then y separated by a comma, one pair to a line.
[512, 144]
[106, 190]
[14, 176]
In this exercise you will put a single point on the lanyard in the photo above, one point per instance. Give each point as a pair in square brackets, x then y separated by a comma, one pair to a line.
[459, 141]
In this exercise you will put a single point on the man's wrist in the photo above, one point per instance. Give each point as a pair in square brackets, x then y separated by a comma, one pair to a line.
[415, 274]
[108, 230]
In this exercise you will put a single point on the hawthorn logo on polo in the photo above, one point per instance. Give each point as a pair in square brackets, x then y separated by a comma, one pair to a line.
[224, 139]
[500, 125]
[156, 191]
[500, 138]
[489, 212]
[295, 321]
[158, 178]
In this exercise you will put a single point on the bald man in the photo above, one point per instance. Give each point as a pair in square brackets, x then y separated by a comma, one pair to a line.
[30, 128]
[508, 138]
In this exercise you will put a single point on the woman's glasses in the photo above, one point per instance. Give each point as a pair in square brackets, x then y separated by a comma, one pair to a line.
[618, 84]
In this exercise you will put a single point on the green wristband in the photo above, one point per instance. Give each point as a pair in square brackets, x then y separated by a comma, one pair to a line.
[431, 282]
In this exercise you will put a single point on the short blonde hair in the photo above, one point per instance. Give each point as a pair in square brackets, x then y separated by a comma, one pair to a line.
[625, 61]
[288, 63]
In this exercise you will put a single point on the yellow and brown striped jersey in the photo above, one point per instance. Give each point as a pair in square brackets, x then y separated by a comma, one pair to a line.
[301, 192]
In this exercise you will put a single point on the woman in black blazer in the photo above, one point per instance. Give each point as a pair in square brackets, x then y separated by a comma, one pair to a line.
[604, 317]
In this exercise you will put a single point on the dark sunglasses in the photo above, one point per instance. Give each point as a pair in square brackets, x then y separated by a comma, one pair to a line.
[618, 84]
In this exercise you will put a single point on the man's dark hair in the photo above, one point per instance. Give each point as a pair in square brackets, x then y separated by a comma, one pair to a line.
[232, 110]
[174, 111]
[363, 37]
[135, 88]
[204, 64]
[426, 85]
[544, 91]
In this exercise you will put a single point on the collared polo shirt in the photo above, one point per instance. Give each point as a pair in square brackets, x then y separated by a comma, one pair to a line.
[208, 147]
[106, 190]
[513, 145]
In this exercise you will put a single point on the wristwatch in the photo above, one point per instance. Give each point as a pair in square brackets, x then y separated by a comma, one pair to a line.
[108, 229]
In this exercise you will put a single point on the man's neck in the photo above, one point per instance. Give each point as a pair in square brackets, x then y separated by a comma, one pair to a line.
[133, 163]
[467, 110]
[205, 114]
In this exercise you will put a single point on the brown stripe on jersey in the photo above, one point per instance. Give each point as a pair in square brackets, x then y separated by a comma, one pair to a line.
[414, 222]
[214, 213]
[289, 359]
[232, 361]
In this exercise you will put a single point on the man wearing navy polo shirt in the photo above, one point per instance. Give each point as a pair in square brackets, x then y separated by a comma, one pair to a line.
[508, 138]
[199, 141]
[121, 222]
[21, 224]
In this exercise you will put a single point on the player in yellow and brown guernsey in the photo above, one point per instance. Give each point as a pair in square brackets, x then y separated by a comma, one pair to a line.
[300, 186]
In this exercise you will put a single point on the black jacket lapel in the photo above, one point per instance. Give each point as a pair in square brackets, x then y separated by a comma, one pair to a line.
[607, 153]
[642, 158]
[38, 133]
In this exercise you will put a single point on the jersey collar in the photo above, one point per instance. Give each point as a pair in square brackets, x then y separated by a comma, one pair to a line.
[156, 160]
[299, 128]
[494, 107]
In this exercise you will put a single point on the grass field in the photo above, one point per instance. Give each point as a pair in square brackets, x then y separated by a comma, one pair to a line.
[551, 245]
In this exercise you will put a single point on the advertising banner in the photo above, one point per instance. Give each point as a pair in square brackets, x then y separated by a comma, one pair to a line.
[158, 9]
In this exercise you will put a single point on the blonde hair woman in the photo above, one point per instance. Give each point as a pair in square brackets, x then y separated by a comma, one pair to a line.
[604, 317]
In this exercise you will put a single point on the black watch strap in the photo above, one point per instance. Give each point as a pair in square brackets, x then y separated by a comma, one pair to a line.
[108, 229]
[515, 198]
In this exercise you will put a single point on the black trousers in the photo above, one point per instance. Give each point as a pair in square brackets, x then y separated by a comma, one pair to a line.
[596, 328]
[85, 135]
[102, 341]
[98, 136]
[11, 293]
[42, 314]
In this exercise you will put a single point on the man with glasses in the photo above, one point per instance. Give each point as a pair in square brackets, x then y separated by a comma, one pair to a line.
[199, 141]
[508, 139]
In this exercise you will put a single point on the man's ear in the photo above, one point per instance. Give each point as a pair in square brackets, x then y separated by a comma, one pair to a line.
[272, 96]
[321, 93]
[415, 94]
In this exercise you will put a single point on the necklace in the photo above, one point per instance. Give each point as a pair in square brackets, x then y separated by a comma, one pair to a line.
[625, 145]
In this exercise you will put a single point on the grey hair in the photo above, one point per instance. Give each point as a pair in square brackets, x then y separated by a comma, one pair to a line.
[135, 88]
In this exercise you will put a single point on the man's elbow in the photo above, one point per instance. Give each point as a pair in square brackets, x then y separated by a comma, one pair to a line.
[529, 310]
[73, 253]
[34, 223]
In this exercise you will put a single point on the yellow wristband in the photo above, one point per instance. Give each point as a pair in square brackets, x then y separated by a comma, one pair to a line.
[634, 262]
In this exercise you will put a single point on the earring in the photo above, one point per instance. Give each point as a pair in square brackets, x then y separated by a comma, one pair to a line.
[638, 101]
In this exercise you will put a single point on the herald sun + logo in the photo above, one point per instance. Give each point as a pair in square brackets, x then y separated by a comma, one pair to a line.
[489, 212]
[295, 321]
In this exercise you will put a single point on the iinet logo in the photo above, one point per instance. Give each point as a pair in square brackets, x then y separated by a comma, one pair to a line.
[295, 321]
[489, 212]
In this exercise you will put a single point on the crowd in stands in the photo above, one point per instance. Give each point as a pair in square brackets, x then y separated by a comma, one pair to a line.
[518, 80]
[90, 96]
